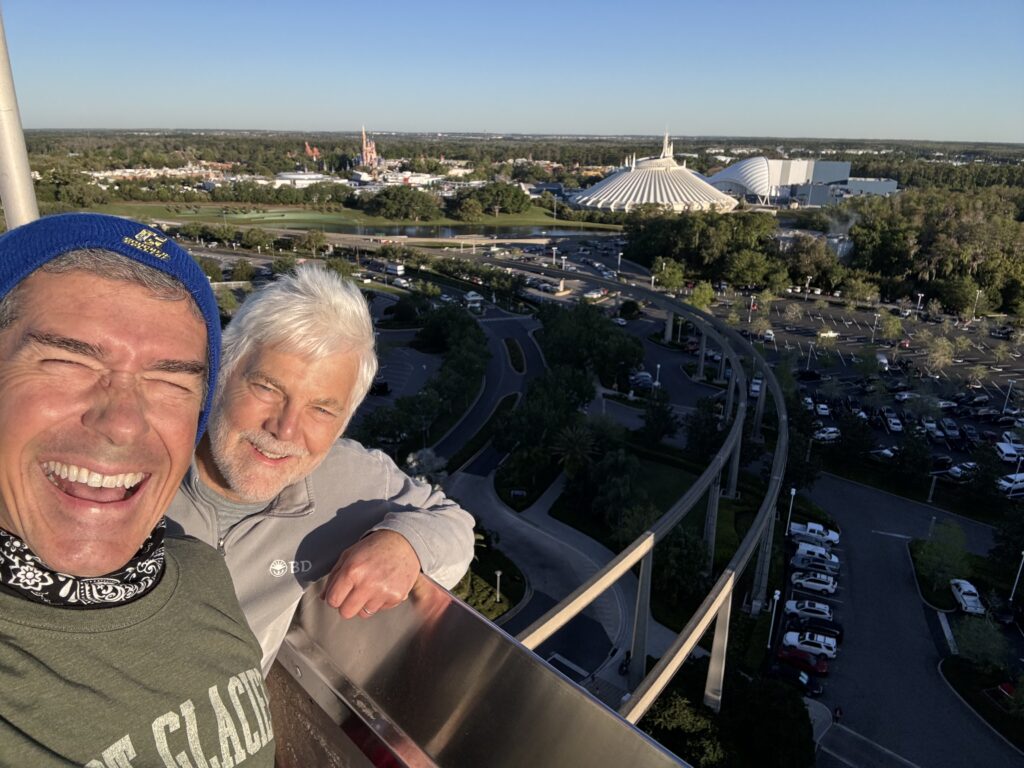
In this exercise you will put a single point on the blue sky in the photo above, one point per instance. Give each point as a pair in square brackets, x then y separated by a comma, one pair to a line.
[905, 69]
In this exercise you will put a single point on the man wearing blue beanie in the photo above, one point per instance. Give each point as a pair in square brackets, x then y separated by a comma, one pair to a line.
[119, 648]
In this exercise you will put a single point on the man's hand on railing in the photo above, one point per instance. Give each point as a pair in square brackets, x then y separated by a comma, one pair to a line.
[375, 573]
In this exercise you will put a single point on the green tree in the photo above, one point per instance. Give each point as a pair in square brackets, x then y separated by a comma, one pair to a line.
[980, 642]
[242, 270]
[697, 733]
[660, 419]
[939, 353]
[313, 240]
[210, 266]
[669, 273]
[469, 209]
[283, 264]
[574, 449]
[944, 555]
[226, 302]
[702, 296]
[257, 239]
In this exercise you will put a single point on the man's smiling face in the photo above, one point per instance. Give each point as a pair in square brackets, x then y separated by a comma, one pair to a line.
[101, 386]
[274, 420]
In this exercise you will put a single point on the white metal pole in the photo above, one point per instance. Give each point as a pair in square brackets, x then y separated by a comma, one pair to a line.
[1016, 580]
[16, 190]
[497, 575]
[789, 515]
[771, 625]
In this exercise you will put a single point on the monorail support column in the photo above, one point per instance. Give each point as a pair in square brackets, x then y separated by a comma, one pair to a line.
[637, 666]
[721, 368]
[669, 325]
[764, 561]
[716, 669]
[700, 356]
[734, 471]
[711, 520]
[730, 396]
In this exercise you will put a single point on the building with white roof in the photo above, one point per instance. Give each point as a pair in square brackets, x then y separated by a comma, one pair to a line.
[658, 180]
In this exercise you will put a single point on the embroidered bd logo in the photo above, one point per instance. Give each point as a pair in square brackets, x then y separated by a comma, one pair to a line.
[279, 568]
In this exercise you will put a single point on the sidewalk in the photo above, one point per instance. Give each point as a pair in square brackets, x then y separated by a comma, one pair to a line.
[556, 559]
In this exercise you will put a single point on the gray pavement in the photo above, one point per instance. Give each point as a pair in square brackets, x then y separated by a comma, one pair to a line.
[897, 708]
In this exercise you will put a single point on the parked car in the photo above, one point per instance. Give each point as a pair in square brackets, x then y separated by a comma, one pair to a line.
[941, 464]
[1007, 452]
[970, 434]
[804, 682]
[819, 645]
[819, 626]
[893, 424]
[951, 429]
[902, 397]
[966, 596]
[814, 582]
[963, 472]
[821, 409]
[928, 423]
[798, 659]
[827, 435]
[808, 404]
[813, 565]
[813, 532]
[808, 609]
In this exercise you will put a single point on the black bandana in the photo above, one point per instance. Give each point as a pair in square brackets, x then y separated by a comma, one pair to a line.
[24, 573]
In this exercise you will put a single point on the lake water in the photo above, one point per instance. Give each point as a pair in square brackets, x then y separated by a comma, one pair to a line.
[470, 230]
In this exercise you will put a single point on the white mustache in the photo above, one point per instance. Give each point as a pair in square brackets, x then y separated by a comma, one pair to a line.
[267, 443]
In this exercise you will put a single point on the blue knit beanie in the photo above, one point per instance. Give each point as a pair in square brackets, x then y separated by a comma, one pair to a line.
[24, 249]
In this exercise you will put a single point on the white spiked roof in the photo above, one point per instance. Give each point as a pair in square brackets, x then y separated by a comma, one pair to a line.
[658, 180]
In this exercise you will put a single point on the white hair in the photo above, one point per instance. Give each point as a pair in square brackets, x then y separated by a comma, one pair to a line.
[313, 312]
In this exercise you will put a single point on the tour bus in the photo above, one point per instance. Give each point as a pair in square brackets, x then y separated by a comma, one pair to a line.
[394, 269]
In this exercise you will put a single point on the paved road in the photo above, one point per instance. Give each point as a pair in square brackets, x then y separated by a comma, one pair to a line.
[886, 678]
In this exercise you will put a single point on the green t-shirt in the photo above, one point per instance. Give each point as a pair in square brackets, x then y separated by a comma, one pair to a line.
[172, 679]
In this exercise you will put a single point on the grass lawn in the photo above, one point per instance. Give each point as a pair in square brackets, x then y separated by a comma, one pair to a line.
[941, 597]
[297, 217]
[478, 587]
[979, 688]
[515, 355]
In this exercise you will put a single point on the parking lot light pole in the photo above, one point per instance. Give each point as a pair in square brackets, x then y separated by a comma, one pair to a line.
[974, 312]
[1009, 389]
[789, 515]
[920, 296]
[497, 575]
[874, 326]
[657, 375]
[750, 307]
[771, 625]
[1017, 580]
[618, 268]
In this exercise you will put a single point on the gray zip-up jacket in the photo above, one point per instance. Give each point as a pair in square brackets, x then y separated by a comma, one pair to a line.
[274, 555]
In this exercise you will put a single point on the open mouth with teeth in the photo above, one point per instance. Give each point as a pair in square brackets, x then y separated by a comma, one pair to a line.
[269, 454]
[84, 483]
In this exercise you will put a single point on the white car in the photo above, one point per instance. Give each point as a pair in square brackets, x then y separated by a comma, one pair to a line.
[966, 596]
[817, 645]
[928, 423]
[822, 409]
[808, 404]
[808, 609]
[893, 424]
[620, 321]
[814, 582]
[902, 397]
[827, 435]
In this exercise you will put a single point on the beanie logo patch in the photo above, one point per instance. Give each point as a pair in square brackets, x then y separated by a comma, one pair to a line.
[148, 241]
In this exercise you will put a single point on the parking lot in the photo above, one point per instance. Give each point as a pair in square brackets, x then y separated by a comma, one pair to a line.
[966, 410]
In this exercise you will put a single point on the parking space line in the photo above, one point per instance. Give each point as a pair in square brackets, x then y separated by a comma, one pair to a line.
[894, 535]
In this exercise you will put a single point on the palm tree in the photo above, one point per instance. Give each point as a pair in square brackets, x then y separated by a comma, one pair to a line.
[574, 449]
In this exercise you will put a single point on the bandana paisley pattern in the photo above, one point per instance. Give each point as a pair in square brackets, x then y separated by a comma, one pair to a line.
[23, 572]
